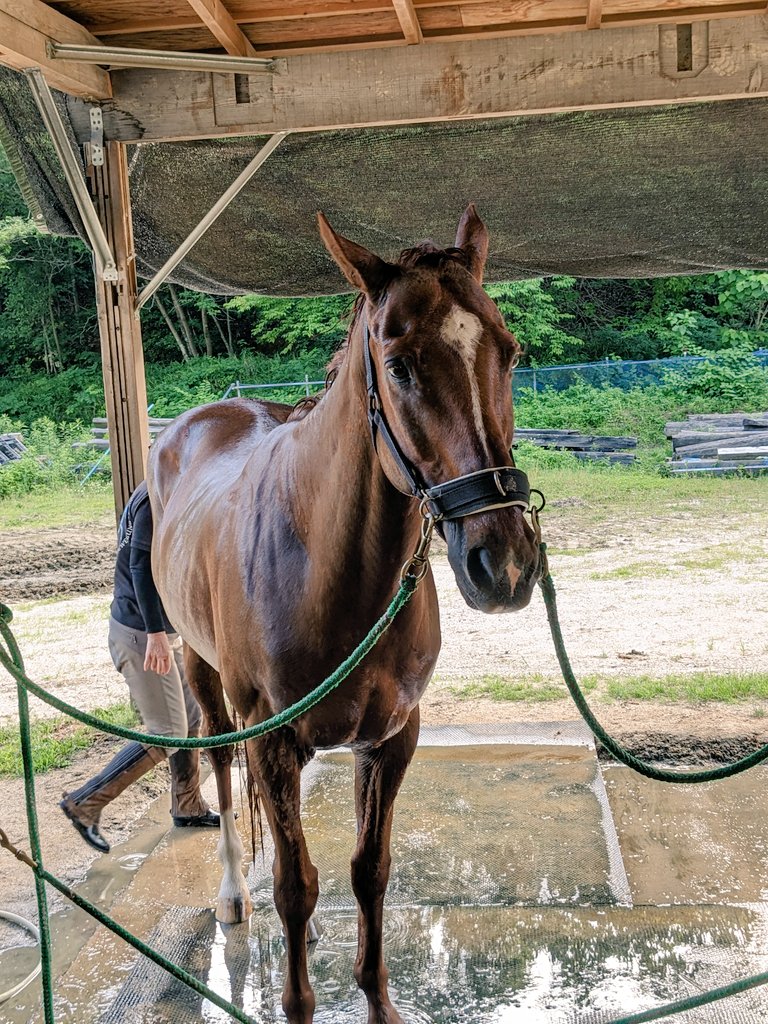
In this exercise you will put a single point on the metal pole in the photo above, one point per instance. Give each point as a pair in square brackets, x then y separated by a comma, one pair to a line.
[219, 206]
[175, 60]
[105, 261]
[306, 384]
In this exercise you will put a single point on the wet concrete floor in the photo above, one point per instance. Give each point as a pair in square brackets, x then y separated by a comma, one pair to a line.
[529, 885]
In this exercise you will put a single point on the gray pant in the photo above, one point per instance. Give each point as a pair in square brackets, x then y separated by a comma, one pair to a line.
[166, 704]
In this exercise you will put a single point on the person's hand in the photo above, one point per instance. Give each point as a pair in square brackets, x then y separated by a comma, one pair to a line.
[159, 655]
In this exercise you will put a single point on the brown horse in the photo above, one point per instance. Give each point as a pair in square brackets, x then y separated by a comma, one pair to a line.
[279, 543]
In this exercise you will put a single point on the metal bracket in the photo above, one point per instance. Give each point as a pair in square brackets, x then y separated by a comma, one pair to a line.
[105, 261]
[97, 136]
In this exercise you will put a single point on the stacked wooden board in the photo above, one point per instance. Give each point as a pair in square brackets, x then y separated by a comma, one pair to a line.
[100, 440]
[11, 448]
[719, 443]
[582, 446]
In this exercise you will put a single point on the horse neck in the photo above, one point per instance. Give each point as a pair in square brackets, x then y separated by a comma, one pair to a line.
[350, 508]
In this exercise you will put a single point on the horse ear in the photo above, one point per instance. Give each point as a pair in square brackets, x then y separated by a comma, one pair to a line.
[362, 268]
[472, 239]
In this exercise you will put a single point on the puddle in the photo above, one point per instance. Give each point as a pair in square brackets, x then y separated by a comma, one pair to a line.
[508, 903]
[457, 965]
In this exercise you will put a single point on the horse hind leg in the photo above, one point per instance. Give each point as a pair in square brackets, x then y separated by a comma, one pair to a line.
[233, 905]
[378, 775]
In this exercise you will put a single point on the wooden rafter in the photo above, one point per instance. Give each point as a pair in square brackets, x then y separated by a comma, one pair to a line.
[222, 25]
[26, 26]
[594, 13]
[409, 22]
[331, 24]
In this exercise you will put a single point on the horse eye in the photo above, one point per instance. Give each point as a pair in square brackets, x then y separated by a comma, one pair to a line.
[398, 370]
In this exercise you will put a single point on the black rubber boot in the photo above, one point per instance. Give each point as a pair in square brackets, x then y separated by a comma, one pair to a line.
[188, 808]
[83, 806]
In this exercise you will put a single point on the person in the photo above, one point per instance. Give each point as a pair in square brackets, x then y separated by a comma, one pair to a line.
[147, 652]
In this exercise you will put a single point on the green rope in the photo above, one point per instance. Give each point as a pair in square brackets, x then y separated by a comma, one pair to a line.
[620, 753]
[12, 661]
[691, 1002]
[152, 954]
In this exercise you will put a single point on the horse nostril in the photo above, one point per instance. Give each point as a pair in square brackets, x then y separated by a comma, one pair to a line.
[480, 568]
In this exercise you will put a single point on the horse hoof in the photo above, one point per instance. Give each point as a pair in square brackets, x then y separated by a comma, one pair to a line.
[235, 910]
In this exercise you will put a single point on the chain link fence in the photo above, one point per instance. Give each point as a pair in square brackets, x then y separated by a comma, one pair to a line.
[617, 373]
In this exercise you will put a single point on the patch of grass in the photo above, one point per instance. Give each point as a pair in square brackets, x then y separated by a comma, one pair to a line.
[633, 571]
[68, 506]
[533, 689]
[586, 490]
[55, 741]
[568, 552]
[711, 557]
[694, 687]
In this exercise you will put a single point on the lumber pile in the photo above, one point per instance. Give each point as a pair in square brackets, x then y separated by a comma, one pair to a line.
[11, 448]
[719, 443]
[100, 437]
[583, 446]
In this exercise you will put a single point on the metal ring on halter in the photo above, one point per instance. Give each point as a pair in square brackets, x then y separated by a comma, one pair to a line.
[539, 508]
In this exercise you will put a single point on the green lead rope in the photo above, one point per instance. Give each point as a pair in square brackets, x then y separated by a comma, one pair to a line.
[12, 661]
[620, 753]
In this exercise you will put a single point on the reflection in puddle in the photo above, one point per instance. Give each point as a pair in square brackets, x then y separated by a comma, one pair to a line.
[508, 905]
[457, 965]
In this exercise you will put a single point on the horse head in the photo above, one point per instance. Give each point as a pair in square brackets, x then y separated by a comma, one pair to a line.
[441, 361]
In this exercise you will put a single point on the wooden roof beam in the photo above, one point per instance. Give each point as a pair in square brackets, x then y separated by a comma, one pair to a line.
[320, 91]
[409, 22]
[27, 26]
[223, 26]
[594, 13]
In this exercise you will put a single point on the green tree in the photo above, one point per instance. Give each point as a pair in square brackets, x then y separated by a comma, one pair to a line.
[533, 311]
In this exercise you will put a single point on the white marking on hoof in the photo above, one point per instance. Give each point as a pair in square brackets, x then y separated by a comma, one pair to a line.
[234, 903]
[234, 911]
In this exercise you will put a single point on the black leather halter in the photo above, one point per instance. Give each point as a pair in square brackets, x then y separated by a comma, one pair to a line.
[496, 487]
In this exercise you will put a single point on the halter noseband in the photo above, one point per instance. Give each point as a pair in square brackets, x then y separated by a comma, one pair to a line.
[497, 487]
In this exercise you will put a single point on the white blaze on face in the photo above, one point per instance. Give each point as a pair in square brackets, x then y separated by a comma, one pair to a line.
[462, 330]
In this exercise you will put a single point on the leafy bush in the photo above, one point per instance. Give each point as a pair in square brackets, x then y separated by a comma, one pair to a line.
[78, 394]
[733, 378]
[50, 461]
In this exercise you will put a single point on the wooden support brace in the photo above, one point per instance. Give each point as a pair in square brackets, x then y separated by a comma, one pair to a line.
[122, 354]
[409, 22]
[223, 26]
[594, 13]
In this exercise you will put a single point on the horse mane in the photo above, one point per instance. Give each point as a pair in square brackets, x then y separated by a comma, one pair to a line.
[425, 254]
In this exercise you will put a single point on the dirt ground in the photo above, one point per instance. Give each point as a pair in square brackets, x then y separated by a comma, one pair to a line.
[646, 595]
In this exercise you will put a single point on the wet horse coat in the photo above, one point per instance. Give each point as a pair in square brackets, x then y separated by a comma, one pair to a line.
[279, 542]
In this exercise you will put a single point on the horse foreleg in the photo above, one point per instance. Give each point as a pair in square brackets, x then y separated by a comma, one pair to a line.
[378, 775]
[276, 762]
[234, 902]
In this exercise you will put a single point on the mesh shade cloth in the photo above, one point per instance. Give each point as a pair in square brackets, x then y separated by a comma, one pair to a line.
[615, 193]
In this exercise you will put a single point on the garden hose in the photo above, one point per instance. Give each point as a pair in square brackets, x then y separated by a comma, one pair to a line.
[32, 929]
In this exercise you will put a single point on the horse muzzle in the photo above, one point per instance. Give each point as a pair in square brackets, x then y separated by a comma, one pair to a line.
[495, 559]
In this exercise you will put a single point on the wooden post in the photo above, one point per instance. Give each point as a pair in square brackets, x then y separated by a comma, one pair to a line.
[122, 355]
